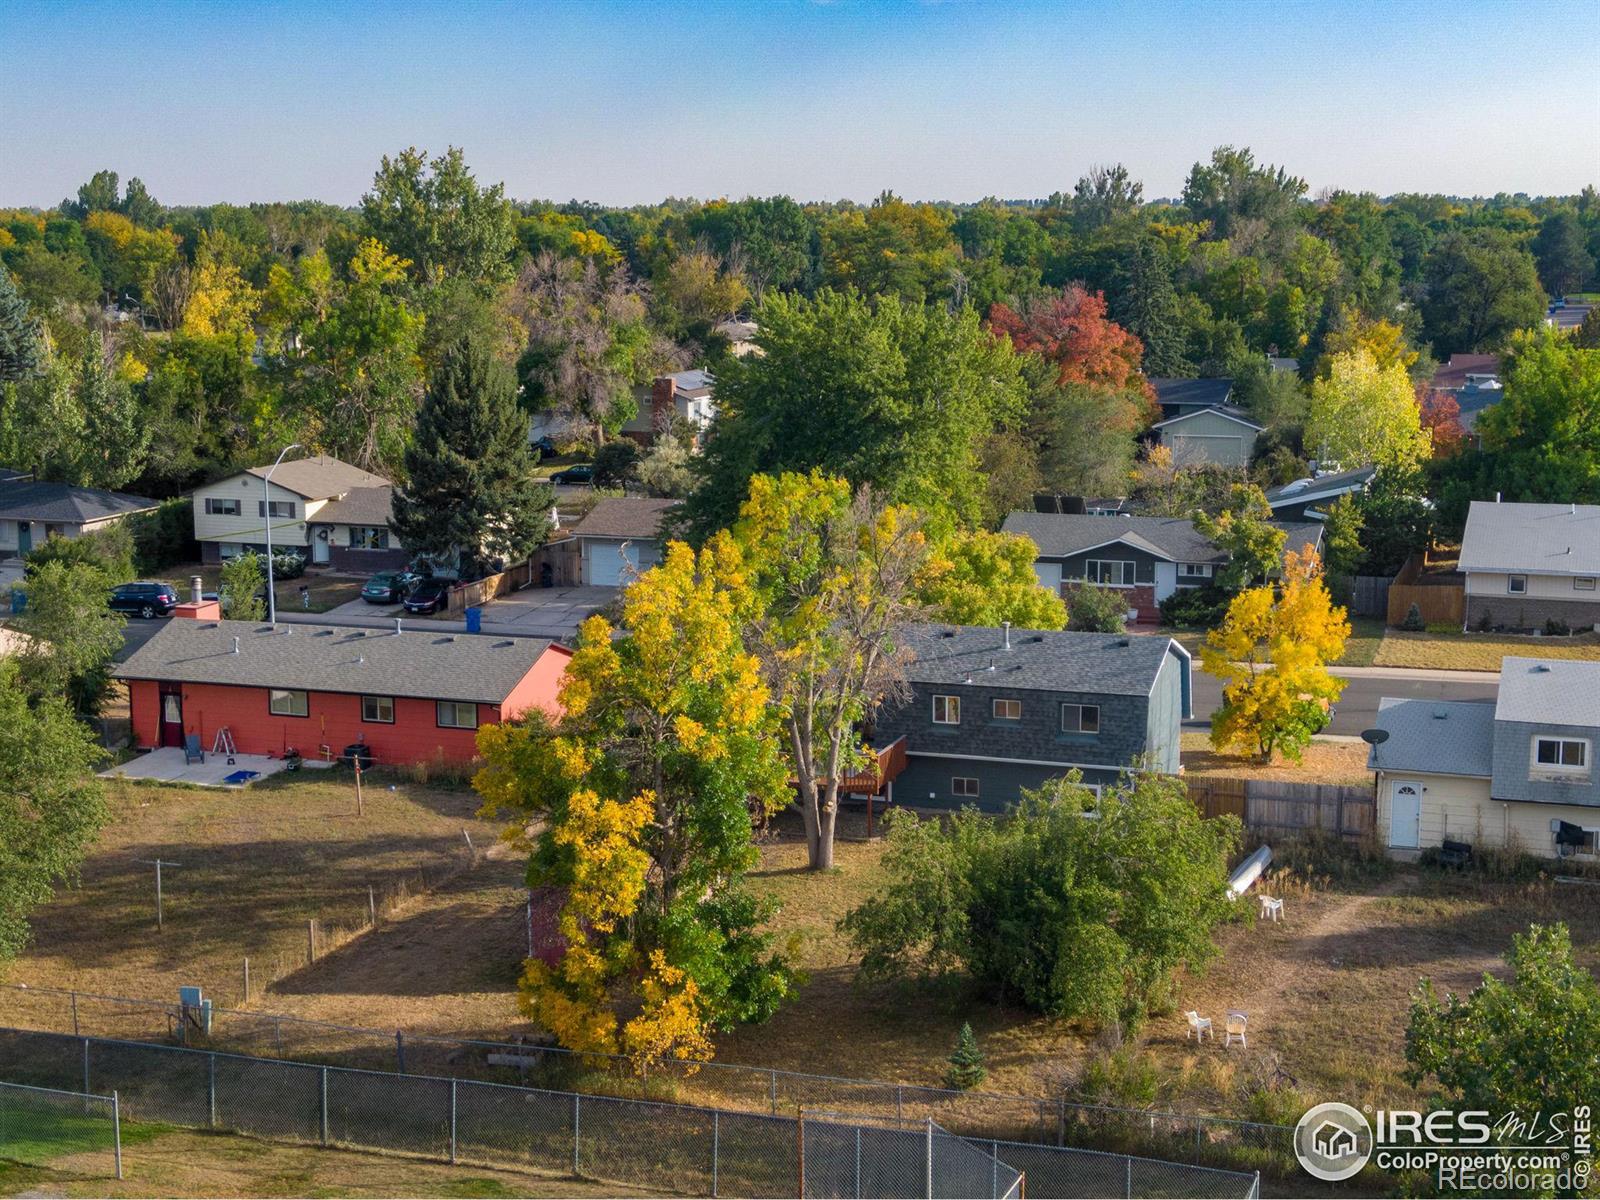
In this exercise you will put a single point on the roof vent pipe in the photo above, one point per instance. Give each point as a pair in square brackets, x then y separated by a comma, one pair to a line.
[196, 589]
[1007, 626]
[236, 645]
[397, 624]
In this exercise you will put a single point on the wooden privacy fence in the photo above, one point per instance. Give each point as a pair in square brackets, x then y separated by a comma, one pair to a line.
[1369, 595]
[1441, 598]
[1269, 806]
[480, 591]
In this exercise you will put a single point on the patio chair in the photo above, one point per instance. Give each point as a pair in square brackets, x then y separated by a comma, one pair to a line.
[1235, 1028]
[1271, 908]
[1198, 1027]
[191, 749]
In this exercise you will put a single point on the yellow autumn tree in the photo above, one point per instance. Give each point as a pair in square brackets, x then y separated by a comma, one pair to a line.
[1271, 654]
[1364, 413]
[642, 794]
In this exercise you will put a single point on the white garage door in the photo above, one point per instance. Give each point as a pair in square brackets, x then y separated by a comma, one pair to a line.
[613, 563]
[1192, 449]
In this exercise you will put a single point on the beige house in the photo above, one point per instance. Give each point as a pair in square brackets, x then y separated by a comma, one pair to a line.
[1526, 564]
[1517, 772]
[231, 515]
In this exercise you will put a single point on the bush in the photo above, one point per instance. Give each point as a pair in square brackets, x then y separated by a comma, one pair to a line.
[1414, 622]
[108, 551]
[1555, 628]
[1095, 609]
[288, 566]
[616, 462]
[1486, 621]
[164, 536]
[966, 1062]
[1196, 608]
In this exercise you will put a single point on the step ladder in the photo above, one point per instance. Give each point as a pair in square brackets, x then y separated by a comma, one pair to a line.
[223, 744]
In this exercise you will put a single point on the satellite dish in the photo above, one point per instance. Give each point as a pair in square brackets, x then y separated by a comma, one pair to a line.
[1374, 737]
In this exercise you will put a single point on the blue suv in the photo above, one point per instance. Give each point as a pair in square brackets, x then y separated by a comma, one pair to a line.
[144, 599]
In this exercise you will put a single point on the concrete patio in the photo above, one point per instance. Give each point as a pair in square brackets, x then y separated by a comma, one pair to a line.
[168, 766]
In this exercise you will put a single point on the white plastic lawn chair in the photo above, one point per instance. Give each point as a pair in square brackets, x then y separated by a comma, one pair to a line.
[1235, 1028]
[1198, 1027]
[1271, 908]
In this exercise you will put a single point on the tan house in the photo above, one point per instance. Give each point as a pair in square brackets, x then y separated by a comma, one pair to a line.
[1517, 772]
[1526, 564]
[231, 515]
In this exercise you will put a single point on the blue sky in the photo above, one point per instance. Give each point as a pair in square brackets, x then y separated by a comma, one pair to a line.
[628, 102]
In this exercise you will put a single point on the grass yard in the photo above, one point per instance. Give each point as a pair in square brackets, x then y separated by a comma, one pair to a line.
[1366, 636]
[1477, 651]
[1323, 762]
[185, 1162]
[256, 865]
[325, 592]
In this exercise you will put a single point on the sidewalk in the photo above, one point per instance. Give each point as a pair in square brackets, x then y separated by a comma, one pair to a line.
[1416, 673]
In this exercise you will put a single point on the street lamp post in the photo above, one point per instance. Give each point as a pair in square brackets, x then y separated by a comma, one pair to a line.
[266, 524]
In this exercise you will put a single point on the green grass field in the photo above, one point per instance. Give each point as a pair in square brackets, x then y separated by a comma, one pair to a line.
[46, 1128]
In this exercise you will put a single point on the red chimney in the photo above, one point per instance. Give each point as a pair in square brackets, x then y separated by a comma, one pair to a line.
[663, 397]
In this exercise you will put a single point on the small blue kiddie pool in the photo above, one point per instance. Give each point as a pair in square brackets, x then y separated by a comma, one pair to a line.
[240, 778]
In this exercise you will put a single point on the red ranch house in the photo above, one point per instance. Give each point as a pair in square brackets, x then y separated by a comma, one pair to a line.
[412, 695]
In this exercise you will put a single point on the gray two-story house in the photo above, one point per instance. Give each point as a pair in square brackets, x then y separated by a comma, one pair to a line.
[1517, 772]
[993, 711]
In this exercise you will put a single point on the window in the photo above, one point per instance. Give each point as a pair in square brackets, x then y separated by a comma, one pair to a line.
[379, 709]
[1516, 584]
[283, 703]
[947, 710]
[1197, 570]
[231, 550]
[1080, 718]
[962, 785]
[1561, 754]
[275, 508]
[219, 507]
[369, 537]
[1583, 584]
[456, 714]
[1008, 710]
[1111, 572]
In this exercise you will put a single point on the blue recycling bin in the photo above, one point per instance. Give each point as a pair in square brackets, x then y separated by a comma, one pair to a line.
[474, 619]
[19, 600]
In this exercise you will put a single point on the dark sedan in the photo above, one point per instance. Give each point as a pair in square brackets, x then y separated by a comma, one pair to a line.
[389, 587]
[577, 473]
[429, 596]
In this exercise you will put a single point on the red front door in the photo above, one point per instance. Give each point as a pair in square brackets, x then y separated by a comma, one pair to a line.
[172, 714]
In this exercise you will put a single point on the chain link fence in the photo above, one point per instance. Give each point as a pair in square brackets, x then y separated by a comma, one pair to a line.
[66, 1131]
[682, 1149]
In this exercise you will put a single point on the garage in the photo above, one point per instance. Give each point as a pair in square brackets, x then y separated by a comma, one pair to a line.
[620, 538]
[613, 563]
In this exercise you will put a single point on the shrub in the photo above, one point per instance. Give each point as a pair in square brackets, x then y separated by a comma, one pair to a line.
[616, 462]
[1095, 609]
[1555, 628]
[1486, 621]
[1414, 622]
[164, 536]
[966, 1069]
[108, 551]
[288, 566]
[240, 589]
[1195, 608]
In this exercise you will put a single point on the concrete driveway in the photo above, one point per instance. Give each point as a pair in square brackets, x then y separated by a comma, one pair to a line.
[552, 613]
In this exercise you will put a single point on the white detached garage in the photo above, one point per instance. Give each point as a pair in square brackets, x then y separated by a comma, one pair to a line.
[620, 539]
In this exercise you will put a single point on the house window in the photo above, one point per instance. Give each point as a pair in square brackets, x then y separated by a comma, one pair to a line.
[284, 703]
[963, 785]
[1516, 584]
[457, 714]
[369, 537]
[1008, 710]
[378, 709]
[1080, 718]
[1561, 754]
[231, 550]
[947, 710]
[1114, 572]
[217, 506]
[275, 508]
[1583, 583]
[1196, 570]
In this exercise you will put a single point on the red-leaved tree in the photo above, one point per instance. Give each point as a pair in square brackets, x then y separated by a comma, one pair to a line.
[1441, 416]
[1073, 331]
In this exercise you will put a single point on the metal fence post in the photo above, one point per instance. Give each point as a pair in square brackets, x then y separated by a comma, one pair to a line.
[1197, 1128]
[994, 1168]
[899, 1095]
[716, 1148]
[772, 1090]
[1061, 1121]
[211, 1088]
[1127, 1166]
[452, 1120]
[116, 1129]
[858, 1162]
[74, 1014]
[324, 1106]
[400, 1051]
[577, 1118]
[86, 1066]
[929, 1192]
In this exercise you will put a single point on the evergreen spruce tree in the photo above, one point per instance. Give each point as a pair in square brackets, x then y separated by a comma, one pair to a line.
[1147, 306]
[19, 337]
[966, 1062]
[470, 476]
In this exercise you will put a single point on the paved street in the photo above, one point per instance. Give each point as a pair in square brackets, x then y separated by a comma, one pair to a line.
[533, 612]
[1358, 708]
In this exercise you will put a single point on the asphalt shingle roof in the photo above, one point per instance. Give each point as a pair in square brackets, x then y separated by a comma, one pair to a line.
[369, 506]
[1435, 737]
[624, 517]
[1225, 410]
[34, 500]
[1206, 392]
[1548, 691]
[1059, 535]
[1039, 660]
[418, 663]
[1532, 539]
[318, 477]
[1325, 486]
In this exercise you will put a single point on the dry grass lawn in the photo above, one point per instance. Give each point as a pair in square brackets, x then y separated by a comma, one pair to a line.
[190, 1163]
[325, 591]
[1477, 651]
[1323, 762]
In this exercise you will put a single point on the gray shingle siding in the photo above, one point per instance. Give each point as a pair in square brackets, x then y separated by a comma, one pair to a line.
[1513, 762]
[926, 782]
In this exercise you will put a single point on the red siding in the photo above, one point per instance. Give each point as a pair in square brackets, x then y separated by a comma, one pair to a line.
[334, 719]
